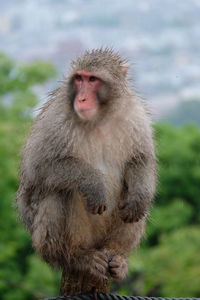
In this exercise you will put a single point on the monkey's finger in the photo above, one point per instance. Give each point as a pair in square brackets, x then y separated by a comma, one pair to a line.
[101, 263]
[94, 210]
[114, 270]
[116, 276]
[101, 257]
[128, 219]
[101, 209]
[132, 218]
[114, 264]
[100, 277]
[123, 214]
[115, 273]
[122, 205]
[101, 269]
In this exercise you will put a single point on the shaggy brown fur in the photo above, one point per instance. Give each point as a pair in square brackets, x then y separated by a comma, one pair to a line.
[86, 187]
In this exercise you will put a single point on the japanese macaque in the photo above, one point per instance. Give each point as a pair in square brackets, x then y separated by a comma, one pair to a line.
[88, 174]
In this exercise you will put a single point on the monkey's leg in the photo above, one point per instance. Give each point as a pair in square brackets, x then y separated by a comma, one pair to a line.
[48, 229]
[87, 271]
[73, 283]
[121, 240]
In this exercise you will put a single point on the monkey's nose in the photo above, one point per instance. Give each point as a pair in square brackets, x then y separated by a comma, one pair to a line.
[82, 100]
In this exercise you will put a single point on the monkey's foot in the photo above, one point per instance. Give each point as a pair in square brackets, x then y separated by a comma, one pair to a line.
[131, 210]
[98, 267]
[118, 267]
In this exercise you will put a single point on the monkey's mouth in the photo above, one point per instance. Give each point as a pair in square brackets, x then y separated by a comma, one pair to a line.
[87, 114]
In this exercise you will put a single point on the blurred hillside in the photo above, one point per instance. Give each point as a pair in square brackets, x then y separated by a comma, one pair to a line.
[184, 112]
[161, 38]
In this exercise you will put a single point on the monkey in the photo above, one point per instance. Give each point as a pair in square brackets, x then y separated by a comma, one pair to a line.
[88, 173]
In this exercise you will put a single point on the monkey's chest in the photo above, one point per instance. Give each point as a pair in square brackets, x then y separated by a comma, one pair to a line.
[106, 154]
[106, 149]
[110, 161]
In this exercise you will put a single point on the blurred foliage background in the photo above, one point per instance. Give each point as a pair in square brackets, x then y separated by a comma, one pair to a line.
[168, 261]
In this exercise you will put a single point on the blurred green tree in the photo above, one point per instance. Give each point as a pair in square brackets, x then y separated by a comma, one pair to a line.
[22, 274]
[179, 165]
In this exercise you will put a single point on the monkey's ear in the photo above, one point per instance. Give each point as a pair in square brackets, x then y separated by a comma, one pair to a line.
[125, 67]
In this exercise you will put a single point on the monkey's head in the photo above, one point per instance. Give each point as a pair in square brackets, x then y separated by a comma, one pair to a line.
[96, 82]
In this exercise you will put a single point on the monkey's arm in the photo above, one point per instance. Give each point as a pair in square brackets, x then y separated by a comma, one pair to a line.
[140, 181]
[74, 174]
[55, 177]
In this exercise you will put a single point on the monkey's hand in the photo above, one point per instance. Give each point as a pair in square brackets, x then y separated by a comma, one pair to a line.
[131, 209]
[118, 267]
[95, 198]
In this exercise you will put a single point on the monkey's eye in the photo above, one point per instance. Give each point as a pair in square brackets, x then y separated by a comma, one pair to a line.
[92, 78]
[78, 77]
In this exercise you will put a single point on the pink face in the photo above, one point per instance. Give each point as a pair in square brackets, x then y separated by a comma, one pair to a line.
[86, 86]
